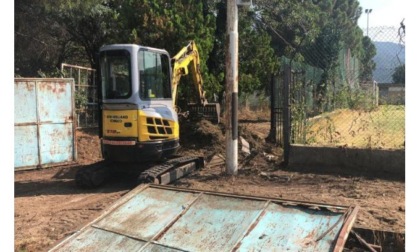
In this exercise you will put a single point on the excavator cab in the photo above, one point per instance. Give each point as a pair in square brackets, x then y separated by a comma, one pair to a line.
[138, 94]
[139, 122]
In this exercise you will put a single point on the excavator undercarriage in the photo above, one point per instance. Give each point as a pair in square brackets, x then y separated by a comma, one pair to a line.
[161, 173]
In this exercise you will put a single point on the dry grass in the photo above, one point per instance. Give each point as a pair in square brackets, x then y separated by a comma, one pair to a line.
[381, 128]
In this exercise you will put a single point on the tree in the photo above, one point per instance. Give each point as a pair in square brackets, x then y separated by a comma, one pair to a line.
[40, 43]
[89, 24]
[73, 31]
[339, 35]
[367, 65]
[169, 25]
[291, 24]
[257, 58]
[216, 62]
[48, 33]
[399, 75]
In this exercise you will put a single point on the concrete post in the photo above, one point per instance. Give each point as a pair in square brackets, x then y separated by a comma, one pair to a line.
[232, 89]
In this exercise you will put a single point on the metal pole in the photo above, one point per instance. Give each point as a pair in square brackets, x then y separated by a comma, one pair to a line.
[286, 113]
[367, 11]
[367, 26]
[232, 89]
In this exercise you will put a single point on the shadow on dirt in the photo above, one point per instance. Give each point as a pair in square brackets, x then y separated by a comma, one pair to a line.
[90, 131]
[62, 183]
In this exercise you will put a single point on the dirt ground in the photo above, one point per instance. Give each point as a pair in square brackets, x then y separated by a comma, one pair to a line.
[49, 206]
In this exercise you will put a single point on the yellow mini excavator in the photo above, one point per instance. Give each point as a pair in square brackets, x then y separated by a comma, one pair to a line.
[138, 104]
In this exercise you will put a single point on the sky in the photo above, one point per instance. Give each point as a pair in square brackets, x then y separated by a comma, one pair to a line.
[384, 12]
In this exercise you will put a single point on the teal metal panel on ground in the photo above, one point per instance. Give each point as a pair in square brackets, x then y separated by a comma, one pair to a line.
[44, 127]
[213, 223]
[287, 228]
[164, 218]
[147, 213]
[93, 239]
[158, 248]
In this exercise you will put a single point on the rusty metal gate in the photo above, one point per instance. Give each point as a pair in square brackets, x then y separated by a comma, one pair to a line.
[280, 111]
[291, 101]
[44, 130]
[277, 102]
[165, 218]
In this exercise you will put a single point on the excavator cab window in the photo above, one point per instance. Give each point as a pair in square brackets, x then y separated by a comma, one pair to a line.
[154, 72]
[115, 74]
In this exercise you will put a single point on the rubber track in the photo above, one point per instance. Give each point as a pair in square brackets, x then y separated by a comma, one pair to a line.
[154, 172]
[92, 176]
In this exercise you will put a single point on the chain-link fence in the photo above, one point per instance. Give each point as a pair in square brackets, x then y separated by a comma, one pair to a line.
[86, 99]
[353, 100]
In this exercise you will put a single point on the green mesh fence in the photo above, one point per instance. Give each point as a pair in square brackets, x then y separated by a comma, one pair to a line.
[349, 104]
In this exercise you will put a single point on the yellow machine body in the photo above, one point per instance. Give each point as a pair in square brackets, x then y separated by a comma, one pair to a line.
[138, 92]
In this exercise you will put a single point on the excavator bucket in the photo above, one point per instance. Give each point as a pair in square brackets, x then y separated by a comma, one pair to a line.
[210, 111]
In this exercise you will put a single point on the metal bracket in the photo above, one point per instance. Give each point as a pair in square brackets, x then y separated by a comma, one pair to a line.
[244, 2]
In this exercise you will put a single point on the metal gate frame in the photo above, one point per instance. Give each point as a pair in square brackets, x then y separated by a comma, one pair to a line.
[285, 95]
[280, 111]
[86, 117]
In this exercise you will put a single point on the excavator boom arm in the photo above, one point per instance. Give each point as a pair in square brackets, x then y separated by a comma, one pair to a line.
[189, 57]
[182, 60]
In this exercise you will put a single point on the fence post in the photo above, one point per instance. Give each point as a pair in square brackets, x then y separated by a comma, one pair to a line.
[272, 135]
[286, 113]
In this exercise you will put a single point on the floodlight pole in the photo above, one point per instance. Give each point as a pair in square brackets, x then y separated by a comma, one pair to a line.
[367, 11]
[231, 111]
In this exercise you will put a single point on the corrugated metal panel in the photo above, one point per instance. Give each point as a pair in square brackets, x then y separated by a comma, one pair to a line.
[158, 248]
[213, 223]
[164, 218]
[25, 101]
[44, 128]
[26, 146]
[144, 215]
[55, 101]
[93, 239]
[287, 228]
[56, 142]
